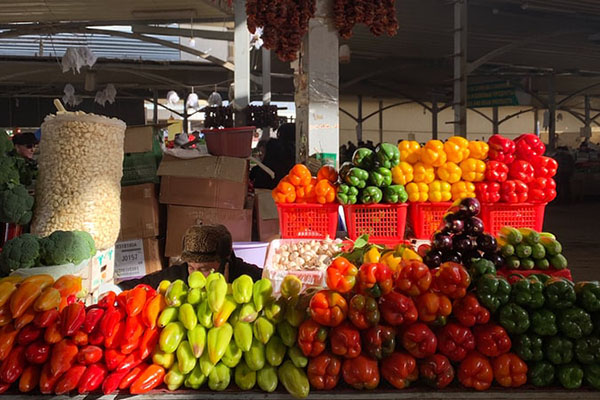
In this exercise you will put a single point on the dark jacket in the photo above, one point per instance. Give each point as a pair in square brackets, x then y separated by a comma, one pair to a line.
[237, 267]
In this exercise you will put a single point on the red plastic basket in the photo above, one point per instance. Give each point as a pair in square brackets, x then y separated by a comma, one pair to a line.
[384, 223]
[425, 218]
[230, 142]
[308, 221]
[518, 215]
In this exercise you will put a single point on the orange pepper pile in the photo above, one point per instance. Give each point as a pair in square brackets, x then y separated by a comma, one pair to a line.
[299, 186]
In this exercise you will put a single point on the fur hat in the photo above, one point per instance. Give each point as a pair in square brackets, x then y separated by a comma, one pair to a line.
[206, 243]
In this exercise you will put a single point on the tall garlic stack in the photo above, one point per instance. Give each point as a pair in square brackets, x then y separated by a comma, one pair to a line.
[80, 170]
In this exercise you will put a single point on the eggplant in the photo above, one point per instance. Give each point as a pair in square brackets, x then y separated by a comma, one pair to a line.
[433, 258]
[453, 256]
[474, 226]
[487, 243]
[471, 206]
[442, 241]
[494, 257]
[468, 257]
[463, 243]
[455, 226]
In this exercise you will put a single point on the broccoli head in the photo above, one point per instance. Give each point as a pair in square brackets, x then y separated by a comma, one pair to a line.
[83, 235]
[16, 205]
[27, 170]
[9, 174]
[6, 145]
[20, 252]
[63, 247]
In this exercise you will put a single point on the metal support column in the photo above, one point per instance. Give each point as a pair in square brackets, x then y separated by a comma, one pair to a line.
[460, 68]
[434, 117]
[536, 122]
[380, 121]
[359, 121]
[185, 118]
[155, 106]
[317, 88]
[552, 115]
[495, 124]
[588, 118]
[241, 57]
[266, 87]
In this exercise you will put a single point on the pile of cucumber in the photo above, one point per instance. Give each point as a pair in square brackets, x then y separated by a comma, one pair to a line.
[525, 248]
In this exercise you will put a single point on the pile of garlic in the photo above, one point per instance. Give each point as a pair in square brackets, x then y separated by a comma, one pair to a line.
[305, 255]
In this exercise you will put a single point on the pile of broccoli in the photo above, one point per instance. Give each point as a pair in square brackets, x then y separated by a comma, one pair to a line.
[61, 247]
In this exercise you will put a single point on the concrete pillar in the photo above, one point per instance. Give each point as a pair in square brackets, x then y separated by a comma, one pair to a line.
[495, 124]
[317, 88]
[266, 87]
[536, 122]
[359, 122]
[588, 118]
[241, 57]
[552, 115]
[460, 68]
[155, 106]
[380, 121]
[434, 118]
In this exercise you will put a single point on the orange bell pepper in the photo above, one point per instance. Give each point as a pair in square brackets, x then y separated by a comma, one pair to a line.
[473, 170]
[449, 172]
[402, 173]
[341, 275]
[509, 370]
[328, 308]
[409, 151]
[433, 153]
[423, 173]
[476, 372]
[433, 307]
[306, 193]
[457, 149]
[24, 297]
[414, 278]
[284, 193]
[328, 173]
[299, 175]
[375, 279]
[325, 192]
[478, 149]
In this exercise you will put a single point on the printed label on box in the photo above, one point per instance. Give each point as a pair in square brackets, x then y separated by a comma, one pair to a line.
[129, 261]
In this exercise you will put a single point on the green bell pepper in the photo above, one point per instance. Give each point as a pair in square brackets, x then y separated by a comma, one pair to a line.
[287, 333]
[247, 313]
[592, 375]
[275, 311]
[261, 293]
[242, 289]
[174, 378]
[194, 296]
[559, 350]
[216, 289]
[387, 155]
[176, 293]
[275, 351]
[371, 195]
[514, 318]
[380, 177]
[543, 322]
[529, 347]
[588, 295]
[242, 334]
[195, 379]
[165, 360]
[219, 377]
[541, 374]
[528, 292]
[185, 357]
[395, 194]
[171, 336]
[575, 323]
[493, 291]
[294, 379]
[232, 355]
[255, 357]
[559, 293]
[570, 376]
[205, 315]
[363, 158]
[197, 339]
[205, 364]
[187, 316]
[295, 312]
[298, 357]
[244, 377]
[587, 350]
[347, 194]
[263, 329]
[480, 267]
[168, 315]
[357, 177]
[217, 341]
[196, 280]
[267, 379]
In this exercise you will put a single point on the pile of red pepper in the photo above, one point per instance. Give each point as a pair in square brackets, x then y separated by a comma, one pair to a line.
[517, 171]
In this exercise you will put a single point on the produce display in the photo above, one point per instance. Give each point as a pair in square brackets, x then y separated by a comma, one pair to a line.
[527, 249]
[305, 255]
[378, 16]
[299, 186]
[80, 169]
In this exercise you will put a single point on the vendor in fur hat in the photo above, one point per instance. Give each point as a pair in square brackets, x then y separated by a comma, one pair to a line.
[206, 248]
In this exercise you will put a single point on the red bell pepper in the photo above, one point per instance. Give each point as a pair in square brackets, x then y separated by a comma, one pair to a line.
[451, 279]
[89, 355]
[521, 170]
[363, 311]
[375, 279]
[341, 275]
[312, 338]
[135, 301]
[69, 380]
[528, 146]
[379, 341]
[542, 190]
[496, 171]
[501, 149]
[476, 372]
[37, 352]
[12, 367]
[419, 340]
[436, 371]
[469, 312]
[64, 354]
[72, 318]
[513, 191]
[46, 318]
[414, 278]
[328, 308]
[28, 334]
[4, 387]
[132, 333]
[509, 370]
[345, 341]
[487, 192]
[112, 381]
[491, 340]
[544, 167]
[455, 341]
[131, 376]
[150, 379]
[48, 380]
[398, 309]
[361, 372]
[433, 307]
[324, 371]
[92, 319]
[92, 378]
[400, 369]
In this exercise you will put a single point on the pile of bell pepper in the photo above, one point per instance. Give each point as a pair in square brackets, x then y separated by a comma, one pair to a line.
[299, 186]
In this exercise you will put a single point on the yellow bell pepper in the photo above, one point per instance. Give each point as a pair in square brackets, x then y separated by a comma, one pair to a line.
[433, 153]
[449, 172]
[423, 173]
[417, 192]
[372, 256]
[462, 189]
[473, 170]
[392, 260]
[457, 149]
[478, 149]
[409, 151]
[407, 253]
[440, 191]
[402, 173]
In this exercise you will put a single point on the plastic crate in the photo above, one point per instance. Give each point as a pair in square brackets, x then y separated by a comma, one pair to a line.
[308, 221]
[425, 218]
[230, 142]
[518, 215]
[384, 223]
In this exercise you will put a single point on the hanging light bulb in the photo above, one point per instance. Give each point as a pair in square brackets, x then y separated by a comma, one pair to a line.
[192, 100]
[172, 97]
[215, 98]
[192, 40]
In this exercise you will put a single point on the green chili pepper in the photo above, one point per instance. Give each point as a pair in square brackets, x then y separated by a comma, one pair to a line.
[242, 334]
[297, 357]
[176, 293]
[196, 378]
[216, 289]
[255, 357]
[275, 311]
[232, 355]
[261, 293]
[171, 336]
[242, 289]
[287, 333]
[185, 357]
[294, 379]
[219, 377]
[174, 378]
[275, 351]
[217, 340]
[267, 379]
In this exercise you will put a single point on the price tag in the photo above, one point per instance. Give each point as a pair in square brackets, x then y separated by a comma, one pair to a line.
[129, 262]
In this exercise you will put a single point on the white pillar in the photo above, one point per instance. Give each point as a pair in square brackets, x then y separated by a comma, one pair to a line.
[241, 58]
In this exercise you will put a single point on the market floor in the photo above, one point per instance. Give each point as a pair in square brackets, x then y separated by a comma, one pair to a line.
[576, 227]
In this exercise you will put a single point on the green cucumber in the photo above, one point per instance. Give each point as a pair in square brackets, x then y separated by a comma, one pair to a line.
[512, 262]
[510, 235]
[542, 264]
[558, 262]
[527, 263]
[508, 250]
[523, 251]
[552, 246]
[538, 251]
[530, 236]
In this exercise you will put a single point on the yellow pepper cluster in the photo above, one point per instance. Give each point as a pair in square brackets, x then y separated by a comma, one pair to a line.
[440, 171]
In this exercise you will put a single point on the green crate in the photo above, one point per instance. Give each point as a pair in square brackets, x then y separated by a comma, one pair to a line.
[139, 168]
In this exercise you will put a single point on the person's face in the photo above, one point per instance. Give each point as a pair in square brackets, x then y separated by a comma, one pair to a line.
[25, 150]
[206, 268]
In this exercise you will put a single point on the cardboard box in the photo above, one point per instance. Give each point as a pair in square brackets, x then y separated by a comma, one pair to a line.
[139, 212]
[139, 138]
[179, 219]
[220, 182]
[136, 258]
[267, 217]
[102, 268]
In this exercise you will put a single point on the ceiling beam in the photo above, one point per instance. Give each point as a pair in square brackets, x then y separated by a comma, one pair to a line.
[182, 32]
